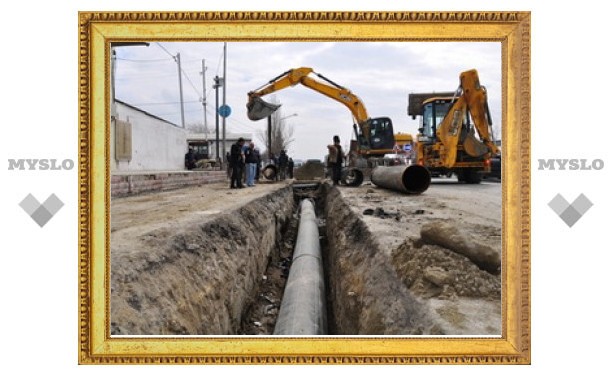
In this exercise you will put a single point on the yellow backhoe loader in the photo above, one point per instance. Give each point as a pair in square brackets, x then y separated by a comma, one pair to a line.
[455, 133]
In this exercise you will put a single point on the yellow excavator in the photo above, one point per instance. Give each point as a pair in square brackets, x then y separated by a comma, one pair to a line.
[374, 135]
[447, 141]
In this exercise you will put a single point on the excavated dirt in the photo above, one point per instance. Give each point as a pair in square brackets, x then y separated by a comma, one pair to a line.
[452, 292]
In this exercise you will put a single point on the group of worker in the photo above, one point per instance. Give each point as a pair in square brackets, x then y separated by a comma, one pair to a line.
[245, 160]
[245, 163]
[284, 165]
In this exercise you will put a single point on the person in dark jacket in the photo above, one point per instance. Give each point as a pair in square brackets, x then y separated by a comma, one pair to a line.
[251, 164]
[190, 160]
[283, 161]
[290, 168]
[257, 156]
[237, 164]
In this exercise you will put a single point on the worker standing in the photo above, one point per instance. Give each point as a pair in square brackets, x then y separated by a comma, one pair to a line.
[251, 164]
[190, 160]
[257, 156]
[283, 160]
[237, 164]
[335, 159]
[290, 166]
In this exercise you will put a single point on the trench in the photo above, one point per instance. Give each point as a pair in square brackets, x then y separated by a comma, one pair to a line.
[363, 295]
[228, 276]
[264, 306]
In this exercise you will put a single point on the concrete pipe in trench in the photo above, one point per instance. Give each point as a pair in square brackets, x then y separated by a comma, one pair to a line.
[411, 179]
[303, 310]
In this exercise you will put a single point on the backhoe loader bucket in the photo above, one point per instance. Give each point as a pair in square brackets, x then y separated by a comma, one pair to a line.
[259, 109]
[473, 146]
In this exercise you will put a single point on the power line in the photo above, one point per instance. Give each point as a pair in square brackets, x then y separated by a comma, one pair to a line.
[167, 52]
[143, 60]
[165, 103]
[190, 82]
[167, 114]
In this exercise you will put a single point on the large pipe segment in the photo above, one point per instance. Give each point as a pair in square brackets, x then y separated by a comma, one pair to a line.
[269, 172]
[411, 179]
[303, 310]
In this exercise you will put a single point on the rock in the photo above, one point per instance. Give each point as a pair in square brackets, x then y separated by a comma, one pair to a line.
[192, 246]
[437, 276]
[447, 235]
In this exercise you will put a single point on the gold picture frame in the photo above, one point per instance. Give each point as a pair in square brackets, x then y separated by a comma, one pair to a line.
[96, 32]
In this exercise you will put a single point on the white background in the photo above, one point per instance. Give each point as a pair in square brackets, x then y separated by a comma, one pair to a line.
[570, 266]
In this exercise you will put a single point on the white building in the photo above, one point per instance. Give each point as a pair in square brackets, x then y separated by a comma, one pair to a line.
[141, 141]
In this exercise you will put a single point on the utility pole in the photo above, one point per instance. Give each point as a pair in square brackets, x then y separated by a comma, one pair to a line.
[204, 97]
[216, 87]
[270, 137]
[224, 89]
[178, 61]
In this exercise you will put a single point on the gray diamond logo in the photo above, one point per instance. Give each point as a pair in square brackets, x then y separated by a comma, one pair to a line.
[570, 213]
[41, 213]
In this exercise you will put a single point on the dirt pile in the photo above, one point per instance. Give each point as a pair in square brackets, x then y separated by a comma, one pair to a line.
[464, 298]
[432, 271]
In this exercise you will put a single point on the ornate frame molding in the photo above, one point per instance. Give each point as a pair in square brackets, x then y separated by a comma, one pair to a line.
[98, 29]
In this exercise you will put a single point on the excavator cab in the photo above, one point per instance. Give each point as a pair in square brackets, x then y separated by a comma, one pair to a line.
[381, 134]
[434, 112]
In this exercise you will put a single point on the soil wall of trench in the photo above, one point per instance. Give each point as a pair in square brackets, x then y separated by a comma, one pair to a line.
[365, 294]
[197, 281]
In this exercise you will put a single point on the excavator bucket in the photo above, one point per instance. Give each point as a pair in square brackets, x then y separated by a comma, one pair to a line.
[259, 109]
[473, 146]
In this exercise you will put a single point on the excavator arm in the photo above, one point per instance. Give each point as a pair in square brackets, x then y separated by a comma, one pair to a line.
[258, 109]
[473, 99]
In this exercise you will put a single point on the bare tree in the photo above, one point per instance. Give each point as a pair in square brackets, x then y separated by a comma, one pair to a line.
[282, 133]
[196, 127]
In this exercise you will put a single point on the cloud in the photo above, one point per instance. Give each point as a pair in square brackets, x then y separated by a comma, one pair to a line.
[382, 74]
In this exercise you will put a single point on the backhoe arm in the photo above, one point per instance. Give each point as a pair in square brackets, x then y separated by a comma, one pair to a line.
[259, 109]
[478, 106]
[473, 99]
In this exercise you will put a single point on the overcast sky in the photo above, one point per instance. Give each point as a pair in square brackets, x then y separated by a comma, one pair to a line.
[382, 74]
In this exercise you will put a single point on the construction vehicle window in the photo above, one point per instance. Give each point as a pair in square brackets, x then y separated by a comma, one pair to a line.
[441, 110]
[427, 120]
[379, 126]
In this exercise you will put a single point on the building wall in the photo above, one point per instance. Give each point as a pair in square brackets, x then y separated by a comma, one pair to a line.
[157, 145]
